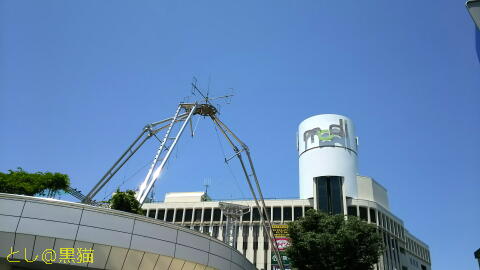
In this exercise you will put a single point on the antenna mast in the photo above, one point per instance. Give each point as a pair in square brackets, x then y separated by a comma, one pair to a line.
[206, 183]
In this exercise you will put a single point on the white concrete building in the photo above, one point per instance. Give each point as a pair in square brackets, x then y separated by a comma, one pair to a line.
[328, 181]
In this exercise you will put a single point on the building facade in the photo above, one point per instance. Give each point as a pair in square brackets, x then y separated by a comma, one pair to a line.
[328, 181]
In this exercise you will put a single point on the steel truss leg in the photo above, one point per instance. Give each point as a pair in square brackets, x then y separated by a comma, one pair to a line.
[154, 171]
[264, 218]
[146, 134]
[116, 166]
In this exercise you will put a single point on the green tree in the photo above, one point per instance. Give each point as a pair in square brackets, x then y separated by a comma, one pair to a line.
[39, 183]
[125, 201]
[332, 242]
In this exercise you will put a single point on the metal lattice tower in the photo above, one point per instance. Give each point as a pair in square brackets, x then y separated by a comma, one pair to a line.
[233, 212]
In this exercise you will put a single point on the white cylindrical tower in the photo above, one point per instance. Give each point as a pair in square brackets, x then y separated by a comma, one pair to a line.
[327, 146]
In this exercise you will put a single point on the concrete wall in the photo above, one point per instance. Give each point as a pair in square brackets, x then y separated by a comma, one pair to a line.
[369, 189]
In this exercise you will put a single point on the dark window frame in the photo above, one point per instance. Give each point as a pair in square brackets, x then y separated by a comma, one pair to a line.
[161, 214]
[188, 215]
[217, 214]
[255, 214]
[287, 217]
[277, 213]
[329, 194]
[373, 215]
[197, 215]
[363, 213]
[350, 211]
[207, 217]
[297, 212]
[170, 215]
[178, 215]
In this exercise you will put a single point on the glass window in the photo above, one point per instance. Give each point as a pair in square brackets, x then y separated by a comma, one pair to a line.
[336, 195]
[198, 215]
[179, 215]
[188, 215]
[256, 231]
[207, 214]
[352, 211]
[151, 213]
[287, 213]
[245, 231]
[269, 212]
[215, 230]
[170, 215]
[161, 214]
[217, 214]
[256, 214]
[363, 213]
[322, 190]
[373, 215]
[206, 230]
[277, 213]
[297, 212]
[196, 228]
[246, 216]
[329, 194]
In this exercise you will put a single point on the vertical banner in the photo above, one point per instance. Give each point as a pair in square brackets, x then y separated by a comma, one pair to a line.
[281, 235]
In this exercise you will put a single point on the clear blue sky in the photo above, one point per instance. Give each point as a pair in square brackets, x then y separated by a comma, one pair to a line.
[79, 79]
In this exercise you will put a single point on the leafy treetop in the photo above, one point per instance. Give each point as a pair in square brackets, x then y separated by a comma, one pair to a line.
[39, 183]
[125, 201]
[333, 242]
